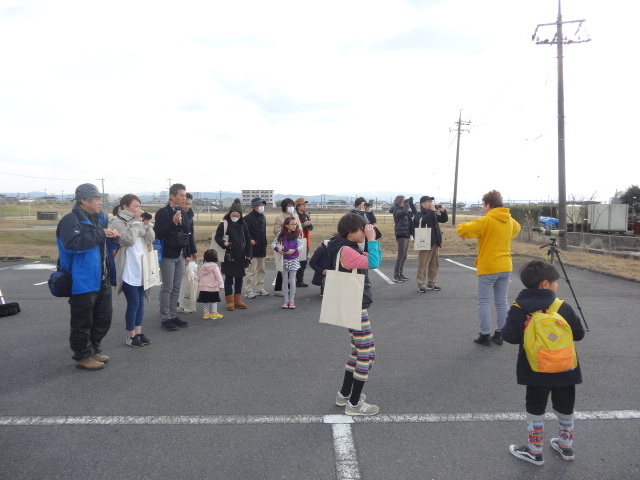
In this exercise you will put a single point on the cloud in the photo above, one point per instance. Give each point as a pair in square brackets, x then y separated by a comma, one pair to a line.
[433, 38]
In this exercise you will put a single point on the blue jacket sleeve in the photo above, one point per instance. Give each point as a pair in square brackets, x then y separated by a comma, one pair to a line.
[375, 254]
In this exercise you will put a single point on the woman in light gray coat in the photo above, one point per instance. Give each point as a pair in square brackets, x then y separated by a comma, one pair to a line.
[136, 234]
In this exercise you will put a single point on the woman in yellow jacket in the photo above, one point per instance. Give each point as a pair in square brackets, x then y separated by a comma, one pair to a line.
[494, 232]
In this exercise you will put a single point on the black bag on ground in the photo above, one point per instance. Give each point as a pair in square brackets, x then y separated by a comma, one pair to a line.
[7, 309]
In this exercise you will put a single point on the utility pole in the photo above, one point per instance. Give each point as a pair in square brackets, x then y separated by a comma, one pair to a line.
[460, 124]
[560, 39]
[102, 180]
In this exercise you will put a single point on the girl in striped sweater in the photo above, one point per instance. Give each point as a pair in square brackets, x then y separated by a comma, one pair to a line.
[353, 230]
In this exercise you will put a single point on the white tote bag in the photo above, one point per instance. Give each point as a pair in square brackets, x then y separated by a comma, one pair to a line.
[303, 251]
[214, 245]
[422, 239]
[342, 299]
[188, 293]
[150, 268]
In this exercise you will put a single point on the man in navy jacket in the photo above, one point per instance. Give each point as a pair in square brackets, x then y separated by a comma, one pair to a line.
[84, 254]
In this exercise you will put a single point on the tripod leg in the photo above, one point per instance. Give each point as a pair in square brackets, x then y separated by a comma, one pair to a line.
[566, 277]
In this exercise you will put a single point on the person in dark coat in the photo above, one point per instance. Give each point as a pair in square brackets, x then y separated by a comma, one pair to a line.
[541, 280]
[191, 250]
[429, 216]
[238, 251]
[320, 263]
[403, 212]
[257, 226]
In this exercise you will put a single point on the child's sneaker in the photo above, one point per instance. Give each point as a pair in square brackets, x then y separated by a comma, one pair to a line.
[362, 408]
[206, 316]
[133, 341]
[525, 454]
[285, 305]
[566, 453]
[342, 401]
[216, 315]
[292, 305]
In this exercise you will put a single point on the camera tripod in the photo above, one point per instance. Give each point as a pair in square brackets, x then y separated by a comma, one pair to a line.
[552, 254]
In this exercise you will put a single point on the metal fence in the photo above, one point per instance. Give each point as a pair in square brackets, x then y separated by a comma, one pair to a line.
[591, 242]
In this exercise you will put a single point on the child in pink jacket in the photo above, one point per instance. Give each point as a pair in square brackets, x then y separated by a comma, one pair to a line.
[210, 281]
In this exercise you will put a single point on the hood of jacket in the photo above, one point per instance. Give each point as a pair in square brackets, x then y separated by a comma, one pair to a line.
[501, 214]
[334, 246]
[533, 299]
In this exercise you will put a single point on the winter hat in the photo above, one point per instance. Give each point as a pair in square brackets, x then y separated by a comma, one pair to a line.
[236, 206]
[87, 190]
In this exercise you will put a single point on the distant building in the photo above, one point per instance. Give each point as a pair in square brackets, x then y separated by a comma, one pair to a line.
[266, 195]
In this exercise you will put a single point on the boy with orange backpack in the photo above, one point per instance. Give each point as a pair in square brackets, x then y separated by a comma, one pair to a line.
[545, 328]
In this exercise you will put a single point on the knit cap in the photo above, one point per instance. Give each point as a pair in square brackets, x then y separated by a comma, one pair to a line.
[236, 206]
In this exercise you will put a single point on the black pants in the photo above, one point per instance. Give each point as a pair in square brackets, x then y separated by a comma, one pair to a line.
[90, 320]
[278, 286]
[300, 272]
[563, 399]
[232, 285]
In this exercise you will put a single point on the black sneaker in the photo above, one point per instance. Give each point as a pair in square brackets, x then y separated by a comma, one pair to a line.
[435, 288]
[179, 323]
[143, 339]
[301, 285]
[483, 339]
[565, 453]
[398, 280]
[168, 325]
[497, 338]
[525, 454]
[133, 341]
[422, 289]
[403, 278]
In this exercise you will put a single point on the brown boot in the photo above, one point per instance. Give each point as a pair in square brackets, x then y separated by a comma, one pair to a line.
[229, 299]
[89, 363]
[237, 301]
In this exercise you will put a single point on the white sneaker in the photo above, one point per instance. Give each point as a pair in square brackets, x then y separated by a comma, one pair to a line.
[363, 408]
[250, 294]
[278, 293]
[262, 293]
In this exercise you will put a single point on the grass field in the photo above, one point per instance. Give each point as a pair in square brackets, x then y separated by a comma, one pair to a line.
[22, 235]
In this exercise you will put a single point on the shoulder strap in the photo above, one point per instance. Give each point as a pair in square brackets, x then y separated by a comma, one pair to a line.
[555, 306]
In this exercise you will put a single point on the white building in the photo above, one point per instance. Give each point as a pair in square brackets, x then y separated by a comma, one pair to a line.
[266, 195]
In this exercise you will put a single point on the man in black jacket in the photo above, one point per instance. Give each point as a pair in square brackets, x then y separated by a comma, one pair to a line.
[430, 216]
[192, 251]
[403, 212]
[257, 224]
[173, 229]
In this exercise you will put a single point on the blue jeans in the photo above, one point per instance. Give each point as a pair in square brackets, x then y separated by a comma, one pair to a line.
[498, 285]
[171, 270]
[135, 305]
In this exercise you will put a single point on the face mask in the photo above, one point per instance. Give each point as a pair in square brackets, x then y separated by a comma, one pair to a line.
[235, 219]
[290, 209]
[261, 209]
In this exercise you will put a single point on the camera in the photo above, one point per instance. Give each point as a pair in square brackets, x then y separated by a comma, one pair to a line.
[368, 204]
[178, 208]
[438, 207]
[146, 216]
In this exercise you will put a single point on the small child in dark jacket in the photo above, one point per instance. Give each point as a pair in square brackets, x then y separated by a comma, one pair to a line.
[541, 280]
[320, 263]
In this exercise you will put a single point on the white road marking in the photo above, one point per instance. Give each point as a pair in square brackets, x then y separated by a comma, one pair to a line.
[35, 266]
[9, 420]
[384, 277]
[41, 283]
[460, 264]
[344, 450]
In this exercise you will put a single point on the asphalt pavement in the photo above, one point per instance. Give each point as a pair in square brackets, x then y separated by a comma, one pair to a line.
[251, 395]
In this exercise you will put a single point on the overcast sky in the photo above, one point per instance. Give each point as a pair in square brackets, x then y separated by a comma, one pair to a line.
[315, 97]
